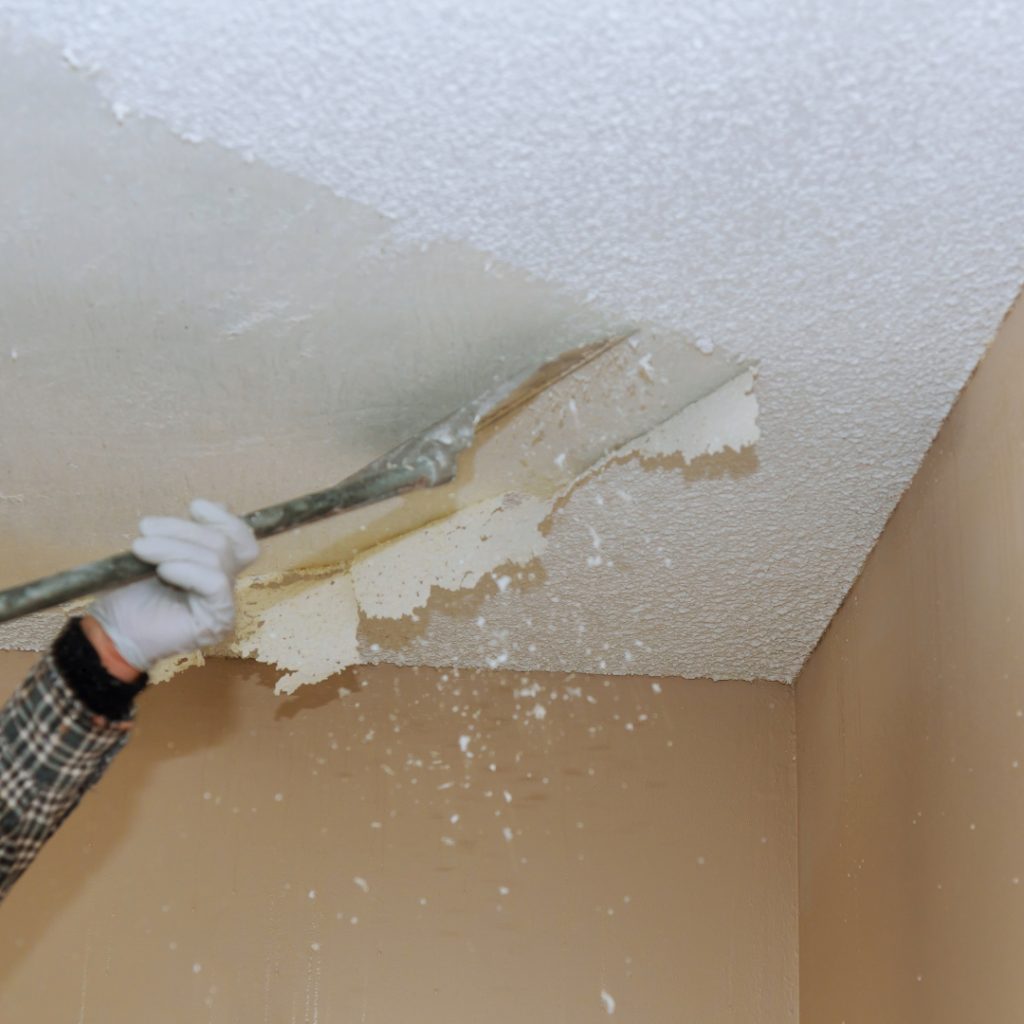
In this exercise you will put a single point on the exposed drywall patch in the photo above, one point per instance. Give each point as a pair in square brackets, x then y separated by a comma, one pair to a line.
[606, 405]
[394, 580]
[310, 624]
[724, 420]
[307, 622]
[598, 534]
[623, 535]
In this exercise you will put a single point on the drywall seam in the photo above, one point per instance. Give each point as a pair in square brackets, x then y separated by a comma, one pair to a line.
[727, 418]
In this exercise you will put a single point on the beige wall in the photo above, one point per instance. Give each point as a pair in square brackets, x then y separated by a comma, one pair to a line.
[910, 718]
[657, 862]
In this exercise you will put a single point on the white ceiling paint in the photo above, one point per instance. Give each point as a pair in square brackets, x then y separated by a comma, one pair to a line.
[833, 191]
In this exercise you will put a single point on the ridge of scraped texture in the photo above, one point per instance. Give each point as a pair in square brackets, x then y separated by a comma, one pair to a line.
[832, 192]
[395, 579]
[308, 628]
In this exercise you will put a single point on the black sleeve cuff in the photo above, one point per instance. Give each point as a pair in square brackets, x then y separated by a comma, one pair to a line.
[80, 666]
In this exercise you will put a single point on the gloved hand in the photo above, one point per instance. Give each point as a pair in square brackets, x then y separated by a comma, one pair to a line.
[149, 620]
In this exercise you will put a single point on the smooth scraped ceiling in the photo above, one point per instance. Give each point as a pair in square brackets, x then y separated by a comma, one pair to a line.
[247, 247]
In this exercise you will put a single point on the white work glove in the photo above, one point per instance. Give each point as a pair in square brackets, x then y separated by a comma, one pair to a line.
[149, 620]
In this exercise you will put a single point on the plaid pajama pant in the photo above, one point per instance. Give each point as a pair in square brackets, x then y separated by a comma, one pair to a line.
[52, 749]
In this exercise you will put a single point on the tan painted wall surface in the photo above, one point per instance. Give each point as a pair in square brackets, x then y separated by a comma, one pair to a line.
[653, 858]
[910, 720]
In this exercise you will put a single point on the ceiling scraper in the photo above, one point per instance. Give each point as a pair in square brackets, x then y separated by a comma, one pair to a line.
[427, 460]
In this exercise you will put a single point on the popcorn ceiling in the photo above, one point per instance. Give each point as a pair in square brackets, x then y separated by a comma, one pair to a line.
[32, 633]
[833, 193]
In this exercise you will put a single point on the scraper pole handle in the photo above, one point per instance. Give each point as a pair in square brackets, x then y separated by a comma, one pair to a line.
[426, 460]
[370, 485]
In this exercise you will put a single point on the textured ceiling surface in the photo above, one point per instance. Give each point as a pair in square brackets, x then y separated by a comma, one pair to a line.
[831, 191]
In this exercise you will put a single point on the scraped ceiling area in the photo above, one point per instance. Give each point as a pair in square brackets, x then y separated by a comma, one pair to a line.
[247, 248]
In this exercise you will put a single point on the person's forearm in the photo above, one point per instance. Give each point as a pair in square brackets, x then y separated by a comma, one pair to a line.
[110, 657]
[58, 734]
[64, 724]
